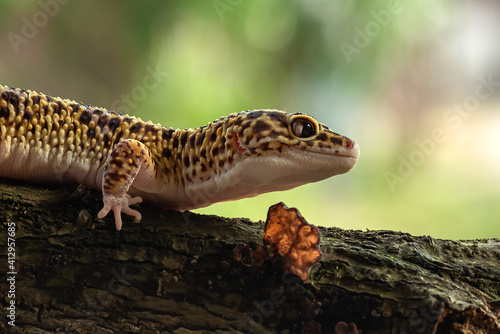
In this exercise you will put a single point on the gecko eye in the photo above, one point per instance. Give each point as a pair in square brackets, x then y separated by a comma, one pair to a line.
[303, 127]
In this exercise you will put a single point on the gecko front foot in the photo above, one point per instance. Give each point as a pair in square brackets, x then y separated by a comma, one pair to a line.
[119, 205]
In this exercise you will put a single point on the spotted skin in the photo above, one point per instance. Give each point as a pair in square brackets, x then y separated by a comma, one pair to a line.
[121, 169]
[48, 140]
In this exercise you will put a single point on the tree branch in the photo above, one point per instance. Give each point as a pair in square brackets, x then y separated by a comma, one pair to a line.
[179, 272]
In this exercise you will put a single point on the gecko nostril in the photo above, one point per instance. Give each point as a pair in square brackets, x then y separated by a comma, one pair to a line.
[349, 143]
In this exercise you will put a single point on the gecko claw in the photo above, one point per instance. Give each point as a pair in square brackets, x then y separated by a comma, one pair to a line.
[119, 205]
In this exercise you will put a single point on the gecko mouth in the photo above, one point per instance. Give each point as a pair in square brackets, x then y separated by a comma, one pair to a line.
[341, 154]
[351, 149]
[348, 153]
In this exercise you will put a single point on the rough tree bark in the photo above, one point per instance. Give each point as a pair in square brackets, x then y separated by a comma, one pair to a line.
[177, 273]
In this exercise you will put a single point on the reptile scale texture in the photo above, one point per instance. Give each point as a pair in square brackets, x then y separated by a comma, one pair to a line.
[45, 139]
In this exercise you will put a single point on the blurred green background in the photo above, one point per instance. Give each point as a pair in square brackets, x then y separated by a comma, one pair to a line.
[415, 84]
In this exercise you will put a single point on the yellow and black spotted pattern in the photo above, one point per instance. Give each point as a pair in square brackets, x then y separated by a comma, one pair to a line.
[76, 133]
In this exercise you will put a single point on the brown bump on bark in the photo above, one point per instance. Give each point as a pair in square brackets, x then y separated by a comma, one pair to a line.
[289, 235]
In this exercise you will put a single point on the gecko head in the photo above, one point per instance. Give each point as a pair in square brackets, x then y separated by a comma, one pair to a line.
[277, 150]
[254, 152]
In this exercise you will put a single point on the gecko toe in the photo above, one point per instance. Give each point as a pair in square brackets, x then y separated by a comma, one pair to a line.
[118, 218]
[135, 200]
[104, 211]
[131, 212]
